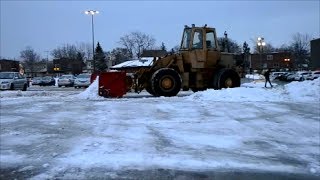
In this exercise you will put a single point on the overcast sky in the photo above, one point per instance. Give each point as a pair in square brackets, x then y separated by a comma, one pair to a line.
[45, 25]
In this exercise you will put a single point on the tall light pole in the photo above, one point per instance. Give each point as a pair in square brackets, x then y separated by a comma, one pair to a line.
[261, 44]
[92, 12]
[47, 60]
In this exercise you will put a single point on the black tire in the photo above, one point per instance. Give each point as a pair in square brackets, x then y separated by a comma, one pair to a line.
[166, 82]
[198, 89]
[150, 91]
[194, 90]
[215, 80]
[227, 78]
[24, 87]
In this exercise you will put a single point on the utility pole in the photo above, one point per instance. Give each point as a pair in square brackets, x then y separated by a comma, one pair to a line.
[92, 13]
[47, 60]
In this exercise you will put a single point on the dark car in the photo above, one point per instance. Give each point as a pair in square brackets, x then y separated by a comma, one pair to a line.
[47, 81]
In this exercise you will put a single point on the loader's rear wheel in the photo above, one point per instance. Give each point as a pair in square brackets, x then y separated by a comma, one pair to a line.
[226, 78]
[166, 82]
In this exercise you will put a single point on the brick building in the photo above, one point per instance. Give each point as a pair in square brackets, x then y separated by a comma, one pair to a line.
[68, 66]
[315, 53]
[274, 60]
[9, 65]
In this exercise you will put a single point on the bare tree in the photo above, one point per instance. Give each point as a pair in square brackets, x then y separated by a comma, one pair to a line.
[119, 55]
[175, 49]
[283, 48]
[233, 46]
[30, 58]
[268, 48]
[67, 52]
[300, 47]
[85, 49]
[136, 42]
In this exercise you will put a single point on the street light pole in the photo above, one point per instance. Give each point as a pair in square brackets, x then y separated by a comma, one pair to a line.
[47, 61]
[261, 44]
[92, 12]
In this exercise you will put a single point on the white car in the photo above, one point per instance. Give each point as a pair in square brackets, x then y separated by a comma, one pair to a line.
[301, 76]
[12, 81]
[314, 75]
[82, 80]
[66, 80]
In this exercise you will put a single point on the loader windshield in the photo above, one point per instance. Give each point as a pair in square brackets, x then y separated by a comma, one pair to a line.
[186, 39]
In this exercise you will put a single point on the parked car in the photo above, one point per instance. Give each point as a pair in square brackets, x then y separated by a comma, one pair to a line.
[47, 81]
[66, 80]
[301, 75]
[314, 75]
[82, 80]
[284, 77]
[276, 75]
[36, 80]
[290, 77]
[12, 81]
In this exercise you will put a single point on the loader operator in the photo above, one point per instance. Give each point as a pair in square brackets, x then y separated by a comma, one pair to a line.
[197, 41]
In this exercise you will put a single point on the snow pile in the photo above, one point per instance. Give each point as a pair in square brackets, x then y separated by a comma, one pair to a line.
[143, 62]
[257, 84]
[304, 91]
[241, 94]
[91, 92]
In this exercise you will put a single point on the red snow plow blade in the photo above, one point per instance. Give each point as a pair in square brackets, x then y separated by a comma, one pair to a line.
[112, 84]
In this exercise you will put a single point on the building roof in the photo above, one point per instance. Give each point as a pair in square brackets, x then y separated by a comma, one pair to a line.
[143, 62]
[316, 39]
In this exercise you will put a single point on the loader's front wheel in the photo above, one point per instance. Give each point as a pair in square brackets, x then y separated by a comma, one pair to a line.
[227, 78]
[150, 91]
[166, 82]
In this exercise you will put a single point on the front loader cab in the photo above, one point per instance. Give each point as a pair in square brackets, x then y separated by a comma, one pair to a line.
[199, 38]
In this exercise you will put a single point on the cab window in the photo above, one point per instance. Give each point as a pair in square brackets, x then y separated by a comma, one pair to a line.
[210, 40]
[186, 39]
[197, 40]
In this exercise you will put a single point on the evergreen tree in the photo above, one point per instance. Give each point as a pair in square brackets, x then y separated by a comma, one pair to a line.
[246, 49]
[100, 59]
[163, 47]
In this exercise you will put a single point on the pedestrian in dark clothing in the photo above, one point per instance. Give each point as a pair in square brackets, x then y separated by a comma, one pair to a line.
[267, 77]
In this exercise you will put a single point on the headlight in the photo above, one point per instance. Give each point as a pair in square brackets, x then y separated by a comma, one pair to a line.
[4, 82]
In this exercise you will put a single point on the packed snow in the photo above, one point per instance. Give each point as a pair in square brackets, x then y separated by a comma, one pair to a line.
[143, 62]
[250, 127]
[308, 91]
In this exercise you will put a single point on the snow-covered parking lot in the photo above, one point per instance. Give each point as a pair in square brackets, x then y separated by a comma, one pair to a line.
[249, 132]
